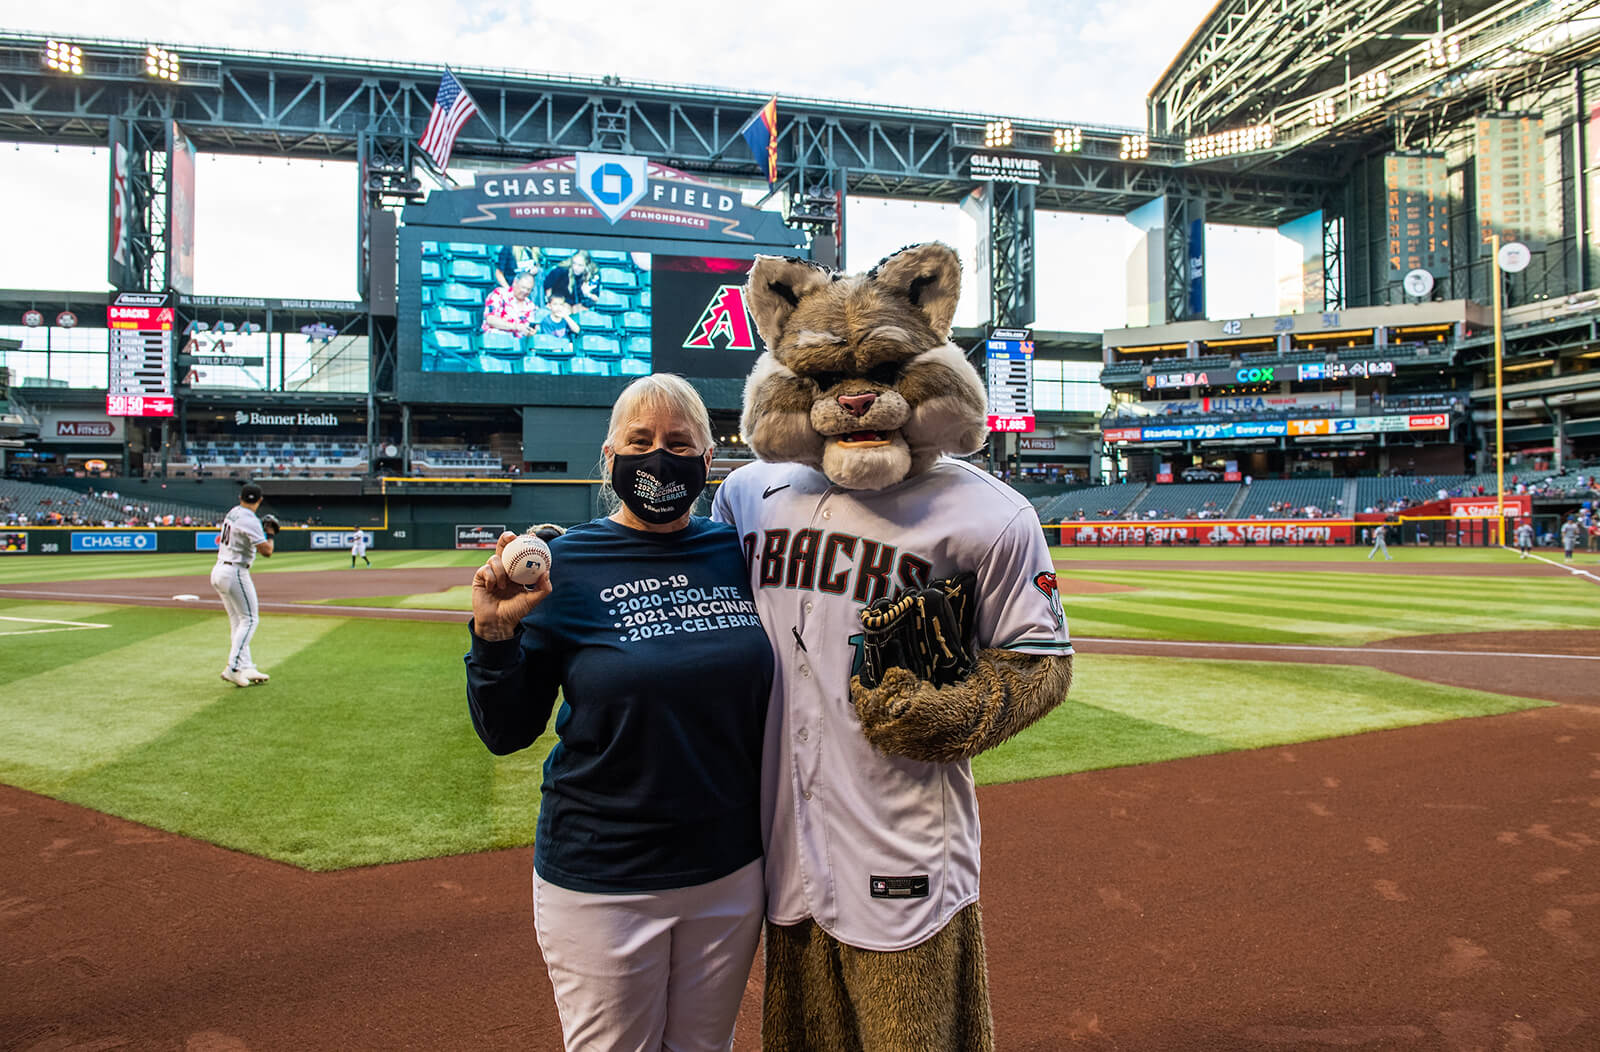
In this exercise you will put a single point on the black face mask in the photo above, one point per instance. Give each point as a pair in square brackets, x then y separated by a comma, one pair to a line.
[658, 487]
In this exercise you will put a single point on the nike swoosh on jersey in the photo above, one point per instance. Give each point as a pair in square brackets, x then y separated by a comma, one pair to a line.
[771, 490]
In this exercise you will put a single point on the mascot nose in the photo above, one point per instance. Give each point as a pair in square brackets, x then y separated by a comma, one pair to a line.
[857, 405]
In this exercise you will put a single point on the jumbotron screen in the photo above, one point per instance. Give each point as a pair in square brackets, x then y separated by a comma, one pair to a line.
[581, 310]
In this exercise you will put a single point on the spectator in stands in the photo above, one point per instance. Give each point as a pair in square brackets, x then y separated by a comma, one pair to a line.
[574, 278]
[511, 310]
[558, 317]
[512, 261]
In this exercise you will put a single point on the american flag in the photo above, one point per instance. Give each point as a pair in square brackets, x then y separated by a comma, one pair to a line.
[451, 109]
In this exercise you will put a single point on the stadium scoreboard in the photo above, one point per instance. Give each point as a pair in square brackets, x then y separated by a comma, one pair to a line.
[140, 378]
[1009, 360]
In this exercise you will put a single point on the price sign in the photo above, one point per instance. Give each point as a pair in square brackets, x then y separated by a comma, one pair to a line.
[1009, 355]
[140, 378]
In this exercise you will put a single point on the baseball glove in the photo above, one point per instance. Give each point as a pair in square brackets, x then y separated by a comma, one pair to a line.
[927, 631]
[546, 531]
[269, 525]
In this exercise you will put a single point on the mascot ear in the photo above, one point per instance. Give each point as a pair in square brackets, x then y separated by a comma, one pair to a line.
[774, 289]
[929, 276]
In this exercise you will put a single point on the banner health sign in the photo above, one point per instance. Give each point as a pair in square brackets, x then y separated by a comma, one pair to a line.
[119, 541]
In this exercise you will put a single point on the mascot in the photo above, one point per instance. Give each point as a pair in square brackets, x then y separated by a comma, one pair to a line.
[912, 604]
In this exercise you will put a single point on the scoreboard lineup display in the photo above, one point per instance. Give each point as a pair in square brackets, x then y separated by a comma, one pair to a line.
[140, 379]
[1009, 361]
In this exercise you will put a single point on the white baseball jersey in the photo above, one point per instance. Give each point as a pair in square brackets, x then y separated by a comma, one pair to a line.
[237, 538]
[880, 850]
[358, 544]
[1525, 535]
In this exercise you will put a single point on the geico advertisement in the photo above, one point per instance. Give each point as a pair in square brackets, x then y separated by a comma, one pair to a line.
[332, 539]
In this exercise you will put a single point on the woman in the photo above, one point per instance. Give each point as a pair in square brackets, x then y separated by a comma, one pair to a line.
[574, 278]
[647, 877]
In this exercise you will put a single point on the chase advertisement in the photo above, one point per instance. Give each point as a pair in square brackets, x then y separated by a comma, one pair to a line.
[596, 265]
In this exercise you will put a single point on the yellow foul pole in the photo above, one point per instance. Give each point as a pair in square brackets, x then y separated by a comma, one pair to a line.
[1499, 399]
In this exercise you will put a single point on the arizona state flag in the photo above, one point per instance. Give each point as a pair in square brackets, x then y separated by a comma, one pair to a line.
[761, 132]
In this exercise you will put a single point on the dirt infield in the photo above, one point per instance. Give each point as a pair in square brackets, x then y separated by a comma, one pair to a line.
[1434, 887]
[1428, 888]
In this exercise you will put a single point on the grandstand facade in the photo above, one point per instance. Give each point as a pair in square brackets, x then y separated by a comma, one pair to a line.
[1391, 145]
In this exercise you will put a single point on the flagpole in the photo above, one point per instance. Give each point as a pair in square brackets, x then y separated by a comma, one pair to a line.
[1499, 398]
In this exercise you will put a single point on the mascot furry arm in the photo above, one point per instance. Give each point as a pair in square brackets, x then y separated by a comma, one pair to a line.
[836, 344]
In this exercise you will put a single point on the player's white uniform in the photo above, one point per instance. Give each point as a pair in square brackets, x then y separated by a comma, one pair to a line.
[236, 549]
[358, 546]
[880, 850]
[1524, 537]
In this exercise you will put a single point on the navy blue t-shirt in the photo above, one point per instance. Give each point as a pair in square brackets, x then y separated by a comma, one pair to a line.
[665, 672]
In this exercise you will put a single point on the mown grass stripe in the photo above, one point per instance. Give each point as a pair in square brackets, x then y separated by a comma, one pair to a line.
[24, 657]
[359, 751]
[75, 716]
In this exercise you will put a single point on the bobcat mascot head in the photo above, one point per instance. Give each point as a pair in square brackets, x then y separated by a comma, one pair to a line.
[860, 379]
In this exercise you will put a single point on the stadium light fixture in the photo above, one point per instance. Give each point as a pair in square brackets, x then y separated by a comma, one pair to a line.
[1069, 140]
[997, 133]
[1323, 112]
[1135, 147]
[63, 57]
[161, 63]
[1444, 50]
[1227, 143]
[1372, 85]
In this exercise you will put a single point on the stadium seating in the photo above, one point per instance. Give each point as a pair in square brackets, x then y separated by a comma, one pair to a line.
[1096, 502]
[1182, 500]
[38, 504]
[1322, 493]
[457, 278]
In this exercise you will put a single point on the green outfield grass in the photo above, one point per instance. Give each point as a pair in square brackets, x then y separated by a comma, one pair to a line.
[360, 750]
[1296, 606]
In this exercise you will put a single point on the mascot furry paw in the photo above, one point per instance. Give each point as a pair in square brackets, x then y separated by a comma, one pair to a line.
[857, 409]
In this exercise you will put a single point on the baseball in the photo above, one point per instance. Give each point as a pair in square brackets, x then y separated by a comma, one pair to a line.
[527, 560]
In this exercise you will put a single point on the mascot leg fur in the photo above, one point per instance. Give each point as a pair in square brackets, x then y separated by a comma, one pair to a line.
[824, 996]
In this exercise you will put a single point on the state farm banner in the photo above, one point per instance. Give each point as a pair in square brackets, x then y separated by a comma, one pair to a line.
[1484, 507]
[1251, 531]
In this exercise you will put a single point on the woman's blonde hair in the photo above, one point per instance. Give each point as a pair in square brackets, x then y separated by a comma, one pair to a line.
[664, 391]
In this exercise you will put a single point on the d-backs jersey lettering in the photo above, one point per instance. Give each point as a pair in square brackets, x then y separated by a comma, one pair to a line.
[238, 536]
[880, 850]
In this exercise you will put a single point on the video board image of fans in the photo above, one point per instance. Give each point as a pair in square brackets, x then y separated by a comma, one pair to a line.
[534, 309]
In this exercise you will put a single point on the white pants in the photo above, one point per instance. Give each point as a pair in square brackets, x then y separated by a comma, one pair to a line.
[238, 594]
[650, 971]
[1379, 545]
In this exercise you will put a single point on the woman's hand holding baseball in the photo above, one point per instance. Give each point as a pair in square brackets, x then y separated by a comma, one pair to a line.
[498, 603]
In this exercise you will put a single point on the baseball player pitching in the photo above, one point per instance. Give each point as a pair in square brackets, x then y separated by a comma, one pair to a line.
[243, 536]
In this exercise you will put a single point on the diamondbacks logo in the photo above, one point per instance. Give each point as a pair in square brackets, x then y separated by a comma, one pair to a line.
[1046, 583]
[725, 317]
[653, 491]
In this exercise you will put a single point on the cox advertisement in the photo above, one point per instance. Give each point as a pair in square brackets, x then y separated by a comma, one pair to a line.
[1253, 531]
[120, 541]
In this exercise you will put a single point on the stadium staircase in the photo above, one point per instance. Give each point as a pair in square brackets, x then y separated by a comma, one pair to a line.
[1232, 510]
[1351, 488]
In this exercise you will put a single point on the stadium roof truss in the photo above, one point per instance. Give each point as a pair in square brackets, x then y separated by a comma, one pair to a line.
[1352, 71]
[373, 112]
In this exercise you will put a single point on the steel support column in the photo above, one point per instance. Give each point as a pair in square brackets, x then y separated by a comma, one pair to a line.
[1011, 255]
[1183, 257]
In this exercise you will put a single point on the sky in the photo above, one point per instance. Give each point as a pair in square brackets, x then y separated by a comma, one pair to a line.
[269, 227]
